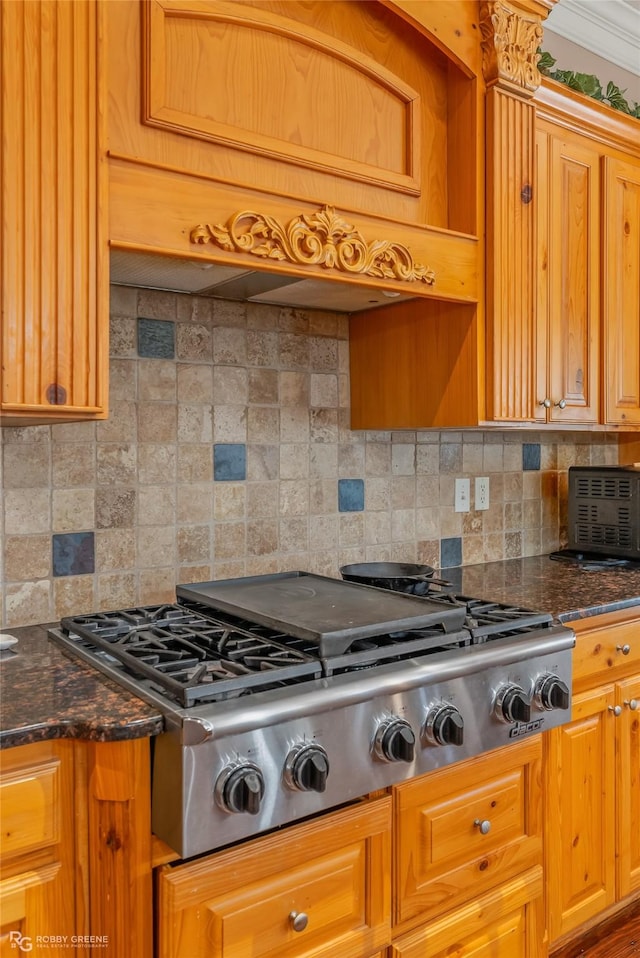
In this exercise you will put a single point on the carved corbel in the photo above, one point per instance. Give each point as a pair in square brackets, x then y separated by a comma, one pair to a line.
[510, 40]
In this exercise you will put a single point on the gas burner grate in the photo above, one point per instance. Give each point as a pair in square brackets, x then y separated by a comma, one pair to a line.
[192, 658]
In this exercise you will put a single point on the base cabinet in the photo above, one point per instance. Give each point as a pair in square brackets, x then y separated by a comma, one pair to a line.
[37, 900]
[592, 783]
[317, 890]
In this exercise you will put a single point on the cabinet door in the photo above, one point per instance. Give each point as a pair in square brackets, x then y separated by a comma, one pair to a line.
[580, 810]
[316, 890]
[621, 241]
[465, 829]
[628, 783]
[574, 292]
[506, 923]
[53, 270]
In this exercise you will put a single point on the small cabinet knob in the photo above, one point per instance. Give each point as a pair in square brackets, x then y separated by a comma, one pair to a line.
[616, 709]
[483, 825]
[625, 649]
[299, 920]
[631, 704]
[545, 402]
[561, 403]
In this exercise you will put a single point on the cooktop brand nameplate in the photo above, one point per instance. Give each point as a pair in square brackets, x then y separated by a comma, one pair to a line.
[328, 611]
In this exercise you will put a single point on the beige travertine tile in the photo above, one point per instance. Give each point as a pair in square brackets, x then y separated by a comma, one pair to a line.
[193, 503]
[294, 351]
[403, 524]
[27, 513]
[377, 528]
[70, 431]
[344, 395]
[531, 542]
[262, 537]
[123, 301]
[115, 465]
[494, 546]
[472, 549]
[263, 462]
[428, 552]
[194, 342]
[293, 533]
[27, 557]
[531, 514]
[428, 523]
[323, 496]
[28, 603]
[26, 465]
[156, 546]
[377, 495]
[294, 424]
[197, 383]
[294, 461]
[227, 313]
[230, 569]
[160, 585]
[115, 550]
[294, 388]
[403, 492]
[293, 498]
[323, 353]
[324, 533]
[73, 510]
[116, 590]
[403, 459]
[512, 516]
[323, 425]
[229, 501]
[292, 319]
[323, 460]
[351, 460]
[472, 523]
[324, 390]
[157, 504]
[531, 485]
[263, 424]
[427, 490]
[472, 458]
[26, 434]
[230, 541]
[262, 386]
[156, 381]
[262, 499]
[262, 347]
[450, 457]
[123, 340]
[512, 545]
[156, 304]
[229, 346]
[350, 530]
[512, 486]
[73, 464]
[115, 507]
[194, 463]
[377, 459]
[193, 543]
[194, 309]
[157, 462]
[122, 424]
[450, 522]
[493, 457]
[73, 595]
[323, 323]
[123, 382]
[230, 424]
[195, 423]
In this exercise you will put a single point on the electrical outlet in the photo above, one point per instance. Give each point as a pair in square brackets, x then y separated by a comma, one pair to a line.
[482, 492]
[462, 495]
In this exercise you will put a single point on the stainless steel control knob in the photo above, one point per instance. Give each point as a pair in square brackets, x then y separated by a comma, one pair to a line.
[512, 705]
[444, 725]
[395, 741]
[550, 693]
[307, 768]
[240, 788]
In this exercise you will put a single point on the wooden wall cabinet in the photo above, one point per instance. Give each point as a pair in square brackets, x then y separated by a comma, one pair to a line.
[592, 781]
[468, 863]
[568, 353]
[316, 890]
[53, 264]
[37, 863]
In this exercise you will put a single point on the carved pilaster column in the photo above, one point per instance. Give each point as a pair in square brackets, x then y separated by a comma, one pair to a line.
[511, 34]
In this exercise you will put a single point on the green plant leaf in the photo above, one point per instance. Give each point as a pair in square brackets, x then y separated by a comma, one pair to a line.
[615, 97]
[546, 61]
[589, 84]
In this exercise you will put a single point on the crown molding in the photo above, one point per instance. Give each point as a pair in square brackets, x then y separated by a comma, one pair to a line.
[608, 28]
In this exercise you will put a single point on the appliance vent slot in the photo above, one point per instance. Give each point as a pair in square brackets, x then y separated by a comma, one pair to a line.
[624, 515]
[587, 512]
[601, 535]
[599, 487]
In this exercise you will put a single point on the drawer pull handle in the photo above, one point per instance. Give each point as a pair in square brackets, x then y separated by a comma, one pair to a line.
[616, 709]
[484, 826]
[631, 704]
[299, 920]
[625, 649]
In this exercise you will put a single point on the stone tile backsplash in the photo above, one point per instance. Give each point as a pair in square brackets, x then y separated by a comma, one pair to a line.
[228, 452]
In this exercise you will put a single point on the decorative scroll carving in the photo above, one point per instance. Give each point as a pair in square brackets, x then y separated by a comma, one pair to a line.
[317, 239]
[510, 41]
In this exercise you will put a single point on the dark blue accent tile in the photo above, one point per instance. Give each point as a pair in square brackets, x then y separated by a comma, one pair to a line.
[530, 455]
[229, 461]
[73, 553]
[450, 552]
[156, 339]
[350, 495]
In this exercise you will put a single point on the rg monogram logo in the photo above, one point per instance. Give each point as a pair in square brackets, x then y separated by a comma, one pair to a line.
[18, 940]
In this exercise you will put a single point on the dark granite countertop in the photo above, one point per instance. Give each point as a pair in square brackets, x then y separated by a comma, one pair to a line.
[565, 589]
[44, 694]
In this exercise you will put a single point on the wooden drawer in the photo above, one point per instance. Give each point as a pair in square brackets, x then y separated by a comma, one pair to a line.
[503, 923]
[29, 797]
[335, 870]
[606, 653]
[444, 856]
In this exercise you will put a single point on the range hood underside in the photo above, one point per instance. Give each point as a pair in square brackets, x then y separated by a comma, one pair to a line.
[199, 278]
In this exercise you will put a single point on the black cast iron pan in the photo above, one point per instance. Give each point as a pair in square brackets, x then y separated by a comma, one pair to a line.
[397, 576]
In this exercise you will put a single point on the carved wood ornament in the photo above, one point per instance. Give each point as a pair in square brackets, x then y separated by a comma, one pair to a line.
[510, 41]
[316, 239]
